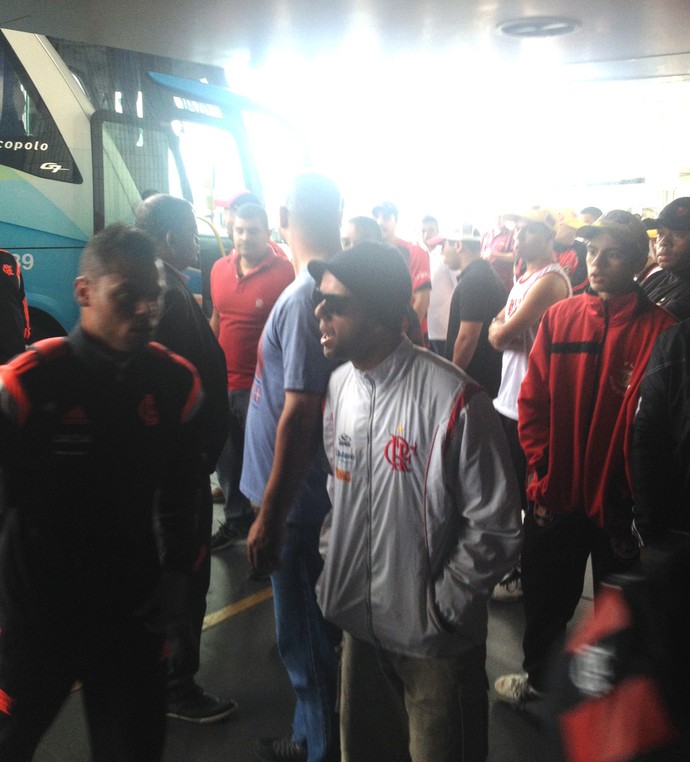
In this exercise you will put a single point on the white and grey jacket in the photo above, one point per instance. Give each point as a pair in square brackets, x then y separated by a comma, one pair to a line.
[426, 512]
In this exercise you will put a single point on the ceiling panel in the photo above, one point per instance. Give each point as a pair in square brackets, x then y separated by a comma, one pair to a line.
[616, 38]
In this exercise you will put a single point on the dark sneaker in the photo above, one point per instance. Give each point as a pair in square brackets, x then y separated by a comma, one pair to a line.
[195, 705]
[280, 750]
[227, 534]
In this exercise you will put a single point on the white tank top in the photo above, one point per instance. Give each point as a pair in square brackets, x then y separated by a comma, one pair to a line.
[515, 360]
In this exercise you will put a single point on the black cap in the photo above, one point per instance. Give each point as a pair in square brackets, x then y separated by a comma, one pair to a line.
[385, 207]
[675, 216]
[376, 274]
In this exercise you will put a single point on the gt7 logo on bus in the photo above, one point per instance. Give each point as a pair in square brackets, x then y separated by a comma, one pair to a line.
[51, 166]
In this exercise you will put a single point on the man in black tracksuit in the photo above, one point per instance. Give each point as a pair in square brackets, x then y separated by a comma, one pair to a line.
[183, 327]
[100, 455]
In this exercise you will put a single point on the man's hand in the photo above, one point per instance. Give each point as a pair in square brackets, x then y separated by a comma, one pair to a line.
[264, 544]
[297, 439]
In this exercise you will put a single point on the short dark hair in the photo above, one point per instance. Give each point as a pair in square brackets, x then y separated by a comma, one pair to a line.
[114, 247]
[160, 214]
[243, 197]
[252, 211]
[428, 218]
[593, 210]
[368, 227]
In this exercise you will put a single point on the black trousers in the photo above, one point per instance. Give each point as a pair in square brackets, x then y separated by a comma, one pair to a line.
[183, 628]
[510, 428]
[554, 561]
[121, 666]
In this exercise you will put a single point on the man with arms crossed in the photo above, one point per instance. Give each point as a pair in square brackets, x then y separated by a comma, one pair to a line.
[513, 331]
[285, 477]
[425, 521]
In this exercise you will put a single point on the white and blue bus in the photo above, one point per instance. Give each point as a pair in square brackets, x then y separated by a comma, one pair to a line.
[85, 131]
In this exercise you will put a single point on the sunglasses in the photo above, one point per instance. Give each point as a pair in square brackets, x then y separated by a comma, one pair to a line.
[333, 304]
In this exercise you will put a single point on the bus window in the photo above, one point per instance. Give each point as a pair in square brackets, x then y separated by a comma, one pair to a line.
[29, 139]
[280, 154]
[213, 166]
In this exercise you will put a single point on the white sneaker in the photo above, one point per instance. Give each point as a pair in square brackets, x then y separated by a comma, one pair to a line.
[509, 588]
[515, 689]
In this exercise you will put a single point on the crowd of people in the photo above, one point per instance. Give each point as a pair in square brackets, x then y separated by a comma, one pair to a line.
[400, 431]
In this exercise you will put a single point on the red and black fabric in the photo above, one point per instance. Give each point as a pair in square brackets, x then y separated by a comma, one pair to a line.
[14, 312]
[619, 689]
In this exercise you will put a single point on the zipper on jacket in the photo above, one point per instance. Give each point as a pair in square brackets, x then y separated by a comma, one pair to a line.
[370, 501]
[597, 368]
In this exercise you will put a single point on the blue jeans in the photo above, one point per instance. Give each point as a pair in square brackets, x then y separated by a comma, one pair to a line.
[306, 642]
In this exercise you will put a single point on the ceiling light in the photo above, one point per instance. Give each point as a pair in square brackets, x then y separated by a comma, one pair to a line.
[539, 26]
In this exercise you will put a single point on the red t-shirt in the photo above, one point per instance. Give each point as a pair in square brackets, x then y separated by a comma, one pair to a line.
[243, 303]
[418, 263]
[420, 270]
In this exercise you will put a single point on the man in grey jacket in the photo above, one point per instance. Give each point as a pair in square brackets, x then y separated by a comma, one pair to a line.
[425, 520]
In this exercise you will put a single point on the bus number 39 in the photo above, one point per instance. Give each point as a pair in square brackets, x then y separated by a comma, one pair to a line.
[26, 261]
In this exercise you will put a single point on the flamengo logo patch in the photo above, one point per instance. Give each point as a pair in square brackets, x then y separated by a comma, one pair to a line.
[398, 452]
[148, 411]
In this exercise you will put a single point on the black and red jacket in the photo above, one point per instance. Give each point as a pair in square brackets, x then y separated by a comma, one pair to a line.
[578, 400]
[14, 311]
[100, 458]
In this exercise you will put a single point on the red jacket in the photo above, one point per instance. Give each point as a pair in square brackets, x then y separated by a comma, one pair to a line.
[578, 400]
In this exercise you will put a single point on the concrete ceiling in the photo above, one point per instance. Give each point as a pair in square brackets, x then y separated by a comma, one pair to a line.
[617, 39]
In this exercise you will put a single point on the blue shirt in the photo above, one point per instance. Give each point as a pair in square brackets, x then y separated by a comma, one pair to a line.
[289, 358]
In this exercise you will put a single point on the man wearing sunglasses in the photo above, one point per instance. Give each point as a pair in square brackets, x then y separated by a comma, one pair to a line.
[425, 521]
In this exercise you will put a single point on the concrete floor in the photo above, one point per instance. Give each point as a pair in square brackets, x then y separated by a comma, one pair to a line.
[239, 659]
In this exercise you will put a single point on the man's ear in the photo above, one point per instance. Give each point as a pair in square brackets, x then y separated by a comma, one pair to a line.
[171, 239]
[82, 291]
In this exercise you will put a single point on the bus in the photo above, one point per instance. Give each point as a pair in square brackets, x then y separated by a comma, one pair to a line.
[85, 131]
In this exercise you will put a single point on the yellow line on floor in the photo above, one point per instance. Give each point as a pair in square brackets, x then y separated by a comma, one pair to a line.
[216, 617]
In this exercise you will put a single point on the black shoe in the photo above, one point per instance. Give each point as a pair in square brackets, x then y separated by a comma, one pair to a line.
[227, 534]
[195, 705]
[280, 750]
